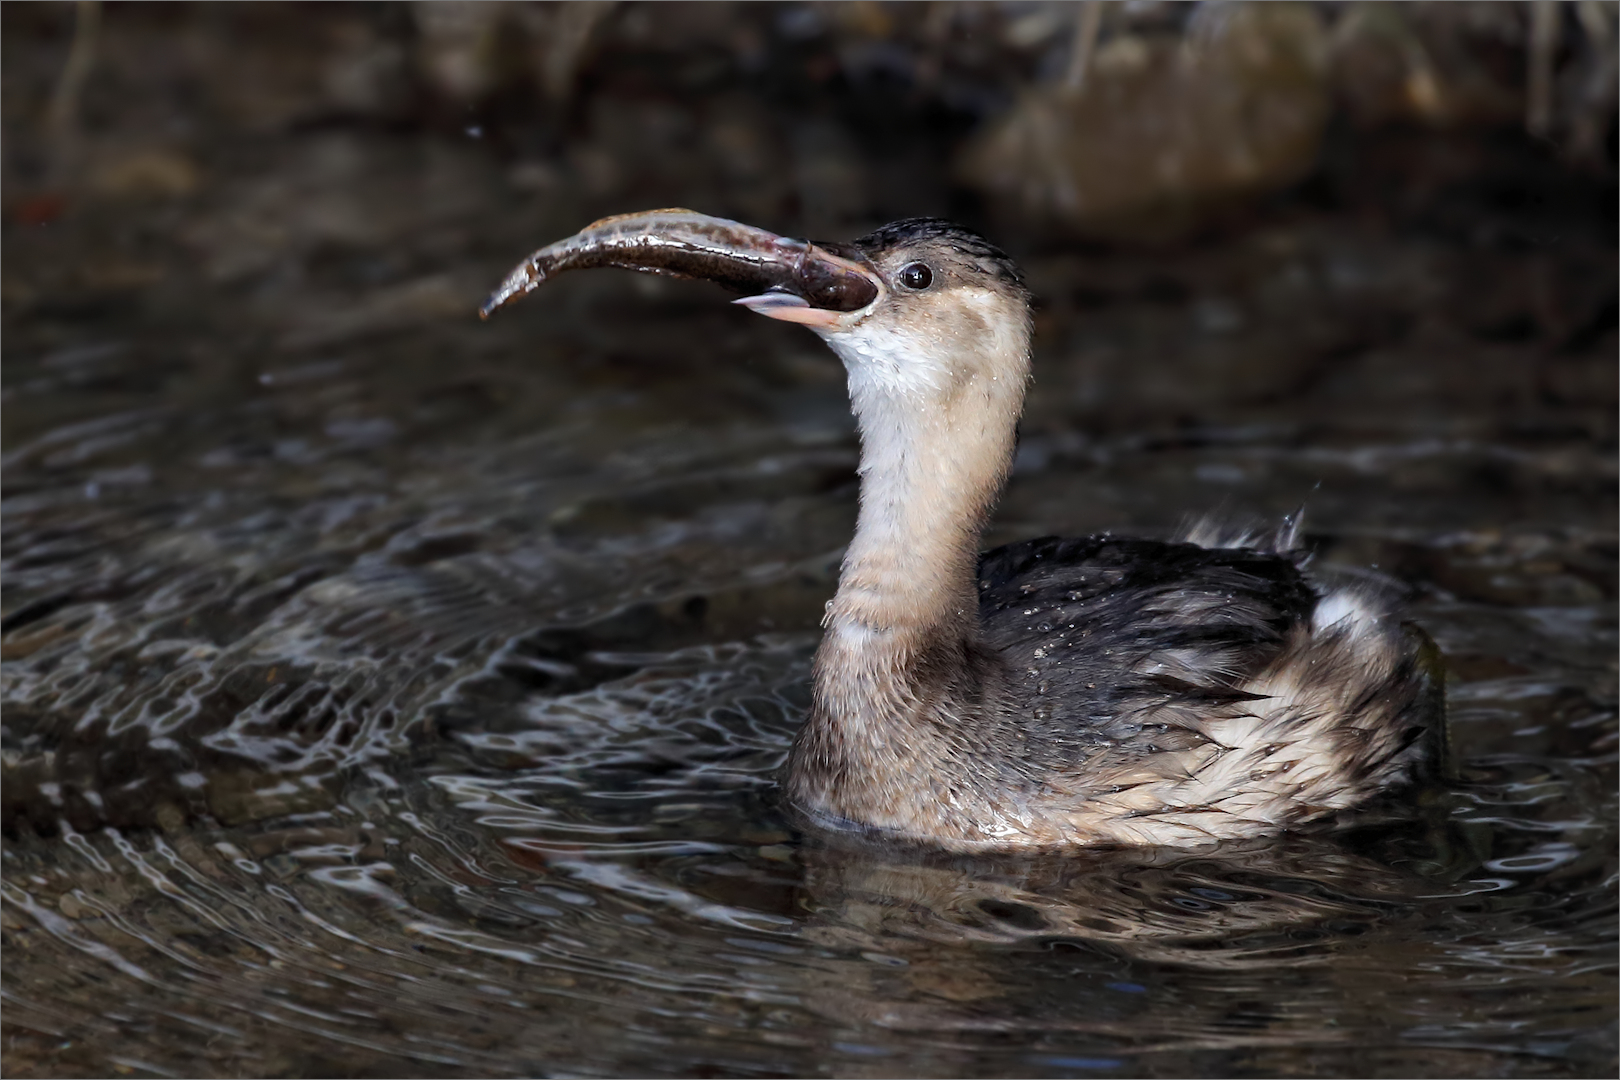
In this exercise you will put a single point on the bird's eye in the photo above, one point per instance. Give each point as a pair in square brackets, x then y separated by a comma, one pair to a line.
[916, 276]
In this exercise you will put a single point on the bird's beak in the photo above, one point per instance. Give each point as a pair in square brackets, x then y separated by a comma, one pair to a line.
[788, 308]
[797, 281]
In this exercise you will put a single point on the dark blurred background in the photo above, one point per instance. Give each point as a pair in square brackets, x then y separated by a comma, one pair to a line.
[1330, 224]
[1379, 219]
[317, 587]
[387, 159]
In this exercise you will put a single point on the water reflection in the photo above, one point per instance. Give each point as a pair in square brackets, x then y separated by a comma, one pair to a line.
[586, 833]
[465, 921]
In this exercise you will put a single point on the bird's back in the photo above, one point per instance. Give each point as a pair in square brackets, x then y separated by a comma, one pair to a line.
[1171, 691]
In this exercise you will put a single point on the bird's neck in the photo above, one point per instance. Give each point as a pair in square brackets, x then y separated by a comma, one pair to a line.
[935, 451]
[897, 667]
[925, 494]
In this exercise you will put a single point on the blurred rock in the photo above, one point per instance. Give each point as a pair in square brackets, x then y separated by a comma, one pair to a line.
[146, 174]
[1434, 64]
[458, 47]
[1165, 129]
[470, 52]
[1590, 85]
[562, 35]
[1548, 66]
[368, 73]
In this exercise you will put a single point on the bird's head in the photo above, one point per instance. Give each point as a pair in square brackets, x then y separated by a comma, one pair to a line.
[949, 311]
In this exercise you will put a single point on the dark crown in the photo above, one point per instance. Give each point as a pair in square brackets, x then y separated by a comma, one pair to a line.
[979, 253]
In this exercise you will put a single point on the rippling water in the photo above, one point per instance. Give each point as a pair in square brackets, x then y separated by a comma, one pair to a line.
[387, 694]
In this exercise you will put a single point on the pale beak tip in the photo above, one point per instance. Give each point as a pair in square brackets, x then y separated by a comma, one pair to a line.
[767, 302]
[788, 308]
[775, 305]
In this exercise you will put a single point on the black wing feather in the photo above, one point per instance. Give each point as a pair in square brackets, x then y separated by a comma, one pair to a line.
[1112, 628]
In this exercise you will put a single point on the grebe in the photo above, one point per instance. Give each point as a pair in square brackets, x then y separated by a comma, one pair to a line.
[1053, 692]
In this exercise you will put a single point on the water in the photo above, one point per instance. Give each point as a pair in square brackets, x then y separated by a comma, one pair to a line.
[391, 694]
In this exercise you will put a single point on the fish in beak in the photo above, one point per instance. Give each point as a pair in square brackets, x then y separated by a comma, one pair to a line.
[795, 280]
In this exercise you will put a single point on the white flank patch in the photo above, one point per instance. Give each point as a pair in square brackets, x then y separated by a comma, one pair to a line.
[1345, 612]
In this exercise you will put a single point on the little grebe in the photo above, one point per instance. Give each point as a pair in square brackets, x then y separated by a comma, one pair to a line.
[1051, 692]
